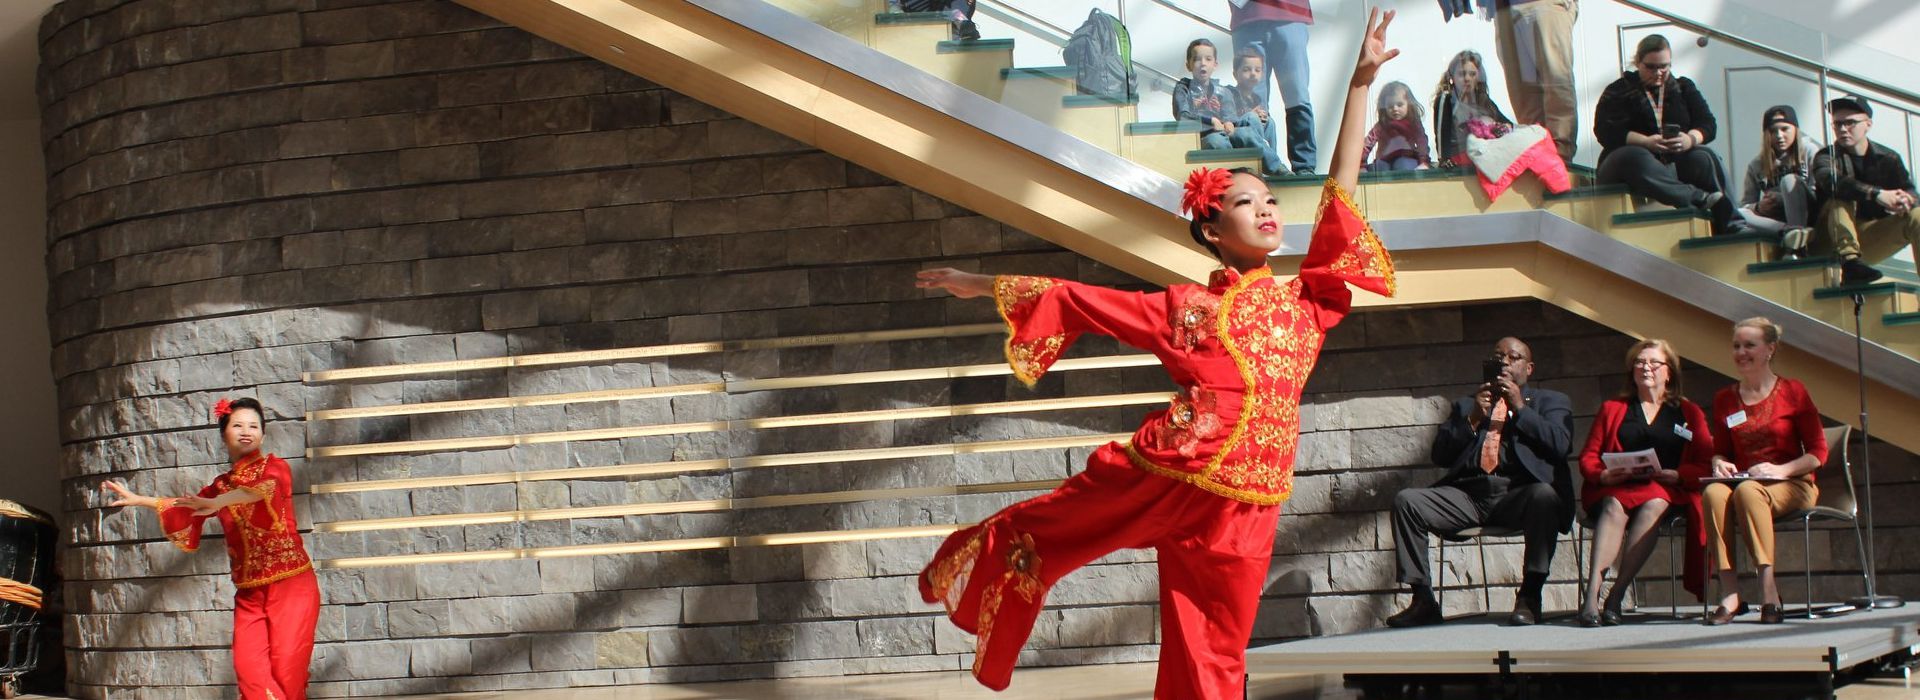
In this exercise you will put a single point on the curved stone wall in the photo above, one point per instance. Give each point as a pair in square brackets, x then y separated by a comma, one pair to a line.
[240, 192]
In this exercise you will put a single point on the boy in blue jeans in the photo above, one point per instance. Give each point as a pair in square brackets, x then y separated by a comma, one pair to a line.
[1202, 99]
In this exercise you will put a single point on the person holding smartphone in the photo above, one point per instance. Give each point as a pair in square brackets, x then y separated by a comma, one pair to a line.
[1505, 452]
[1651, 126]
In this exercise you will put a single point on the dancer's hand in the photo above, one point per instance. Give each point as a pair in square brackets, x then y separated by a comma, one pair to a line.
[123, 497]
[1373, 48]
[965, 285]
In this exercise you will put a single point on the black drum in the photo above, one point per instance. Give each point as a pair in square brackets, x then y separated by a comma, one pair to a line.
[26, 573]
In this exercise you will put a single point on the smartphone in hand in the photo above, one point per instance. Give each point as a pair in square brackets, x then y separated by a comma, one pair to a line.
[1490, 370]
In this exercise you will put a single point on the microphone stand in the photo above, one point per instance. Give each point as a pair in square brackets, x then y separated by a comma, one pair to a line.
[1872, 600]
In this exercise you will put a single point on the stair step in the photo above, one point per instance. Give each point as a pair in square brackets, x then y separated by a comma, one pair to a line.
[899, 18]
[1875, 289]
[1178, 127]
[1589, 191]
[1054, 72]
[975, 45]
[1296, 180]
[1222, 155]
[1098, 101]
[1910, 318]
[1717, 241]
[1900, 270]
[1812, 263]
[1647, 217]
[1405, 175]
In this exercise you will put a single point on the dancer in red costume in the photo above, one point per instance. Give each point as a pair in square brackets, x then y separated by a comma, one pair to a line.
[1202, 481]
[276, 601]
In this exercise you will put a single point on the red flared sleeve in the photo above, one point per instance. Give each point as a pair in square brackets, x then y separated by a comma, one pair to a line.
[1344, 251]
[181, 525]
[1045, 315]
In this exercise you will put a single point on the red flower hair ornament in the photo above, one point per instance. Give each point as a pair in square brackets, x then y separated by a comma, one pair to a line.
[1204, 188]
[222, 409]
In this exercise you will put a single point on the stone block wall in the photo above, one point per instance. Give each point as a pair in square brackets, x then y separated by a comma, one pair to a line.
[242, 192]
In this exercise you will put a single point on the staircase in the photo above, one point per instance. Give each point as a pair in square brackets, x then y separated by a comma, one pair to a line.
[1019, 144]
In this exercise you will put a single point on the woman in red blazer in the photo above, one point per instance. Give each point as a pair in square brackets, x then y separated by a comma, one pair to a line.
[1649, 415]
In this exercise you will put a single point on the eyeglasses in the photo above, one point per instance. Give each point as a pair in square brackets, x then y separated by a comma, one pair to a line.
[1654, 364]
[1844, 124]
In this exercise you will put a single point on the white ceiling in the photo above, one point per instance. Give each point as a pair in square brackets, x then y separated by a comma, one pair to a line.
[19, 55]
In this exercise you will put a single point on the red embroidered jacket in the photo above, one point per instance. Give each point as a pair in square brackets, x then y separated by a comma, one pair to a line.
[263, 542]
[1240, 347]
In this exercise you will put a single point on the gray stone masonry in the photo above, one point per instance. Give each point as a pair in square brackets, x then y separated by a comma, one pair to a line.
[240, 192]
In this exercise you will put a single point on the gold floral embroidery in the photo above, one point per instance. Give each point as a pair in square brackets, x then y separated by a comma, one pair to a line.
[949, 575]
[1191, 420]
[1193, 323]
[989, 609]
[1363, 257]
[1023, 567]
[1012, 295]
[184, 540]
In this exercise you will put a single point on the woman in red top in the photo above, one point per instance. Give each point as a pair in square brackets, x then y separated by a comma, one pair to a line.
[1765, 428]
[276, 601]
[1650, 415]
[1201, 481]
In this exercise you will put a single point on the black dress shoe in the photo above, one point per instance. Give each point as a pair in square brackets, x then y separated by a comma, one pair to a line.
[1610, 614]
[1525, 612]
[1422, 612]
[1770, 614]
[1852, 271]
[1587, 619]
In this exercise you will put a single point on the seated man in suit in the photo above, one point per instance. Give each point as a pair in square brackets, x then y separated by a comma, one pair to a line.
[1505, 452]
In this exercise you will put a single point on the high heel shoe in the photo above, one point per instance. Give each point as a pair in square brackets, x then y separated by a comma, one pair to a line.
[1610, 614]
[1770, 614]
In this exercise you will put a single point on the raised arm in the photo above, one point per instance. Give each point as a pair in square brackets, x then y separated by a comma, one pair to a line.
[1349, 150]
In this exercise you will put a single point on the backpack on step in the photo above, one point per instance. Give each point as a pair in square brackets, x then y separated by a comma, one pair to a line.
[1101, 54]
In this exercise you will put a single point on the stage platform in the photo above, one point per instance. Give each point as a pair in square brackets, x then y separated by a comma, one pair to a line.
[1646, 644]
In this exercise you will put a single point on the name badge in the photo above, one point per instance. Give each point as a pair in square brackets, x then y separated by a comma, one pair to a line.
[1736, 419]
[1683, 432]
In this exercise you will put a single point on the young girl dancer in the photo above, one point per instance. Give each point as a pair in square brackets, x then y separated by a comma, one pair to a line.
[276, 600]
[1200, 482]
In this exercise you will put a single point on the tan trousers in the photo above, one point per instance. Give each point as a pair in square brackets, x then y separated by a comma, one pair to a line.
[1748, 512]
[1883, 236]
[1541, 89]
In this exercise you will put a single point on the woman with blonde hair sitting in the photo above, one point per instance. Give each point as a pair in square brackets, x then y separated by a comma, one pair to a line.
[1767, 431]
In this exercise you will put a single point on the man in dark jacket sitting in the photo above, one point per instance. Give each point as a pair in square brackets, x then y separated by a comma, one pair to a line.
[1505, 452]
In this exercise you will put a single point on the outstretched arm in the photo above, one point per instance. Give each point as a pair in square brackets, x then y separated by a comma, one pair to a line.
[1044, 315]
[1349, 149]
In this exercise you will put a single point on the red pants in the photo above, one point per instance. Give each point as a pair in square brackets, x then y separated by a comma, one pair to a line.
[1213, 557]
[273, 637]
